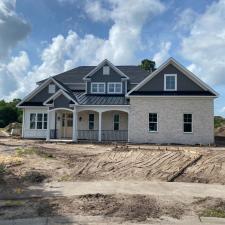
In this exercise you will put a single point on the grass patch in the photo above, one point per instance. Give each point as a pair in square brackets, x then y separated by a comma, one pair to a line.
[65, 178]
[2, 169]
[14, 203]
[213, 213]
[31, 151]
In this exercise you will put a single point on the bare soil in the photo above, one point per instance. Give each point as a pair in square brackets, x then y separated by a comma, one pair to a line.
[72, 162]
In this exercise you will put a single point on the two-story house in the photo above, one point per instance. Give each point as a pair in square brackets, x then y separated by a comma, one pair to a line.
[121, 103]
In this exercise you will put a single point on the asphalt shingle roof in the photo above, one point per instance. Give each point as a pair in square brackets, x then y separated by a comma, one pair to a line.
[76, 75]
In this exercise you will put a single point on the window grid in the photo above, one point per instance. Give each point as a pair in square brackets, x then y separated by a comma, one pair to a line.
[38, 121]
[115, 88]
[153, 122]
[170, 82]
[187, 123]
[98, 88]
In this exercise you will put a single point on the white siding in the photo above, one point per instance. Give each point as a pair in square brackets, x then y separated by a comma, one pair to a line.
[32, 133]
[170, 120]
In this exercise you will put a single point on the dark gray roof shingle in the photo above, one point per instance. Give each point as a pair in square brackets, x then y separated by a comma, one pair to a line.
[76, 75]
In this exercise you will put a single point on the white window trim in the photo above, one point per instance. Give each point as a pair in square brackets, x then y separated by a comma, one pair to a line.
[188, 122]
[97, 87]
[106, 70]
[153, 131]
[114, 92]
[169, 75]
[51, 88]
[36, 121]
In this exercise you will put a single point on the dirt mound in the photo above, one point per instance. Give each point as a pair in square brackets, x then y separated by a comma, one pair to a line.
[11, 126]
[133, 164]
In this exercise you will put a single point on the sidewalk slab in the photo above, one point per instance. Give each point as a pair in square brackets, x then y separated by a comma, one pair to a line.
[212, 220]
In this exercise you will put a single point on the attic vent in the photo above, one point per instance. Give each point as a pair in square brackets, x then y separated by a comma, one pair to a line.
[105, 70]
[51, 89]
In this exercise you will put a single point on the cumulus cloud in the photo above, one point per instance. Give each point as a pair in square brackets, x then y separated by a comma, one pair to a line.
[12, 75]
[205, 45]
[12, 27]
[163, 53]
[124, 38]
[65, 52]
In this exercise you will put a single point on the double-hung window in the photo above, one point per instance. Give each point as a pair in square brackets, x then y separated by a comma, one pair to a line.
[38, 121]
[116, 122]
[115, 88]
[153, 122]
[97, 88]
[187, 120]
[170, 82]
[91, 121]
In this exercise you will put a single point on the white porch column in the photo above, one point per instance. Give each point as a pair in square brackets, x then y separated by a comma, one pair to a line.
[100, 126]
[23, 123]
[75, 124]
[48, 126]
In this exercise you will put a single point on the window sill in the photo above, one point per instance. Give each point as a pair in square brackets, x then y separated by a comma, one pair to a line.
[153, 131]
[188, 132]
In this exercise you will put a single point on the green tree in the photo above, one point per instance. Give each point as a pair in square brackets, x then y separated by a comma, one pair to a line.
[148, 65]
[9, 112]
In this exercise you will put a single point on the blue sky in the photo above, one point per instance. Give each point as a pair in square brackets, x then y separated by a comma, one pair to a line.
[43, 38]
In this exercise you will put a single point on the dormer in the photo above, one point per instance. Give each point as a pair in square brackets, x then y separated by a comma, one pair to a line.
[106, 79]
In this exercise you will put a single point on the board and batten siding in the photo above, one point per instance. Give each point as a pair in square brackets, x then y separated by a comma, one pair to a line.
[170, 120]
[32, 133]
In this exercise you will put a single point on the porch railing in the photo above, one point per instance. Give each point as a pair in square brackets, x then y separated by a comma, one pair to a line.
[87, 135]
[107, 135]
[53, 134]
[114, 135]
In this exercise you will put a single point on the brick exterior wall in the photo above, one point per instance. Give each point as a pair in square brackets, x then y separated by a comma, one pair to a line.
[170, 120]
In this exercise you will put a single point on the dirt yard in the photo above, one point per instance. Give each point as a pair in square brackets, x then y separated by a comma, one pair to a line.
[27, 162]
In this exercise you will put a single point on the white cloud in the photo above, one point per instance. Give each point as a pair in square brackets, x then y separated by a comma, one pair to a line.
[185, 20]
[12, 76]
[128, 18]
[12, 27]
[163, 53]
[63, 53]
[205, 46]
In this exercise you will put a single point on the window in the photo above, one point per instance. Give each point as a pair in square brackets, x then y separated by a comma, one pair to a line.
[98, 88]
[38, 121]
[187, 123]
[116, 122]
[153, 122]
[32, 120]
[51, 89]
[115, 88]
[170, 82]
[70, 120]
[91, 121]
[106, 70]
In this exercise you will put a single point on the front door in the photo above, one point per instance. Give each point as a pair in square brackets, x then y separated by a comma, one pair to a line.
[67, 125]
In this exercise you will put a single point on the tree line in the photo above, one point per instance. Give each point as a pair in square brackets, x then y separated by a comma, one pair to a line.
[9, 113]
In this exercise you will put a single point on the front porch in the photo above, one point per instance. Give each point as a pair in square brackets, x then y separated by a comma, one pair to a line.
[88, 125]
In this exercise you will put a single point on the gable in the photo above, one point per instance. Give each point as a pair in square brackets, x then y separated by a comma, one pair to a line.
[43, 94]
[183, 82]
[62, 102]
[112, 77]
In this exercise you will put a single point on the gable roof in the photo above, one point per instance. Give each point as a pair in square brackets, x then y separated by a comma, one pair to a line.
[57, 94]
[39, 88]
[135, 73]
[103, 63]
[188, 73]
